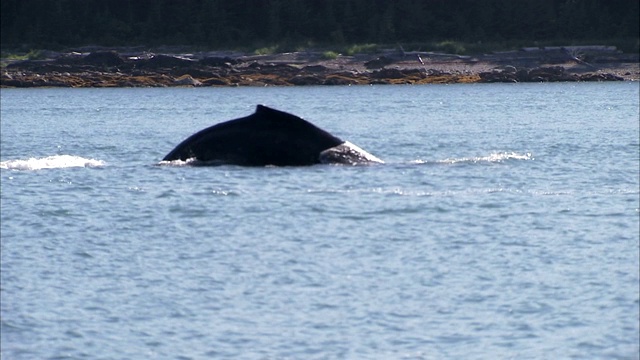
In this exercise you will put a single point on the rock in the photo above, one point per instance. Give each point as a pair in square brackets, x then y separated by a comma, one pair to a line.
[195, 72]
[72, 58]
[187, 80]
[103, 58]
[508, 69]
[315, 69]
[434, 72]
[339, 80]
[600, 77]
[388, 74]
[497, 76]
[138, 68]
[214, 82]
[541, 74]
[414, 73]
[544, 74]
[218, 61]
[378, 63]
[165, 61]
[283, 70]
[306, 80]
[378, 82]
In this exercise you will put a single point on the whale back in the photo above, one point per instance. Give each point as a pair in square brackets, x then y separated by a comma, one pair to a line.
[266, 137]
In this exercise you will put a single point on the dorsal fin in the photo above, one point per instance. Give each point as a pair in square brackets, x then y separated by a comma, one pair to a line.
[263, 109]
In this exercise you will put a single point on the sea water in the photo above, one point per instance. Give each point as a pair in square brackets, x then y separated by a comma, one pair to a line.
[504, 225]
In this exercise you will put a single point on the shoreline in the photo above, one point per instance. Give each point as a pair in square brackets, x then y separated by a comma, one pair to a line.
[102, 67]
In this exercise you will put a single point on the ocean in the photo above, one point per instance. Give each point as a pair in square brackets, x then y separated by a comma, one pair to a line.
[504, 224]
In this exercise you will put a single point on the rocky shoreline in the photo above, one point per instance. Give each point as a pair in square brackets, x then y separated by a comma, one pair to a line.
[99, 67]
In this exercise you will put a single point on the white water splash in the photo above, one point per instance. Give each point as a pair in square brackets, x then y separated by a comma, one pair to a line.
[188, 162]
[491, 158]
[51, 162]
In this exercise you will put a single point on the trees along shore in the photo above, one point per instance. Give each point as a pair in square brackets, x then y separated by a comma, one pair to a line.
[285, 25]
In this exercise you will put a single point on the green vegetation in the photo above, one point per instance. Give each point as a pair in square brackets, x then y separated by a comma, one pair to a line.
[341, 26]
[360, 49]
[31, 55]
[267, 50]
[330, 55]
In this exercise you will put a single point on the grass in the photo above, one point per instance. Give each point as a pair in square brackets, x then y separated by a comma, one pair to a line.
[6, 57]
[330, 55]
[31, 55]
[266, 50]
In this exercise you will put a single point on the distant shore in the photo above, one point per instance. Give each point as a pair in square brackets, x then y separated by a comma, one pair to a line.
[103, 67]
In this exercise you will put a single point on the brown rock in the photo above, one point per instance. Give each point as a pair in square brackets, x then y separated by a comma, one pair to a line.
[378, 63]
[306, 80]
[388, 74]
[214, 81]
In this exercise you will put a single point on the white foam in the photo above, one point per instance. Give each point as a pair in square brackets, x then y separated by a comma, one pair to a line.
[51, 162]
[368, 157]
[349, 154]
[497, 157]
[188, 162]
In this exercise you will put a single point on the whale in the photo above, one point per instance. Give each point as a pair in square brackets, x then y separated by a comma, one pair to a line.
[268, 137]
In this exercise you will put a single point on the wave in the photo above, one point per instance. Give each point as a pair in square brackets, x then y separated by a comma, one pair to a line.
[497, 157]
[51, 162]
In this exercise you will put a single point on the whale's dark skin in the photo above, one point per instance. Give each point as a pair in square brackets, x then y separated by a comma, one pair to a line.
[267, 137]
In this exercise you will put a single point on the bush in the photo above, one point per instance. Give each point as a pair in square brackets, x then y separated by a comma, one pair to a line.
[330, 55]
[361, 48]
[451, 47]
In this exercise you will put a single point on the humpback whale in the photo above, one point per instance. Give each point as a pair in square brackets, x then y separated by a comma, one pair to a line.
[268, 137]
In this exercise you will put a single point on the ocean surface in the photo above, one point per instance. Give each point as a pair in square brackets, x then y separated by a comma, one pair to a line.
[504, 225]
